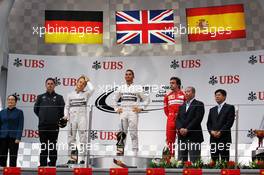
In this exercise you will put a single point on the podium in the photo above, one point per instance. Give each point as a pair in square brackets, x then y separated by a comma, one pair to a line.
[258, 154]
[120, 161]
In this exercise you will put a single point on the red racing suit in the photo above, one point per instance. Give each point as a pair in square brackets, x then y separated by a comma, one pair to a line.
[172, 102]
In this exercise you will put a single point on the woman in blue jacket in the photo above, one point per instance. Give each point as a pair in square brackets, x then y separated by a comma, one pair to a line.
[11, 127]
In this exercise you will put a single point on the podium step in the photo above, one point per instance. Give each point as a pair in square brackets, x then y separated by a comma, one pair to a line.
[120, 161]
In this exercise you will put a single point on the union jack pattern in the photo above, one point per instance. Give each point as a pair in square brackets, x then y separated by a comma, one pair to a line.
[144, 26]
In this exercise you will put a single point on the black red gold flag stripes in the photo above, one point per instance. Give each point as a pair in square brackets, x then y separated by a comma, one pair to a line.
[74, 27]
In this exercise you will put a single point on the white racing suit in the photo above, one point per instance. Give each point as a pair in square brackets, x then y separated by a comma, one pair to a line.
[77, 111]
[129, 97]
[1, 107]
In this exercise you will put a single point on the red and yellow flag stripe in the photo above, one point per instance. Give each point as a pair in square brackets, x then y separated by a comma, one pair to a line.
[216, 23]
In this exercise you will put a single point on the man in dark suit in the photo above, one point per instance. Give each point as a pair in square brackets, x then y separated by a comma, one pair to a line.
[220, 121]
[49, 108]
[190, 135]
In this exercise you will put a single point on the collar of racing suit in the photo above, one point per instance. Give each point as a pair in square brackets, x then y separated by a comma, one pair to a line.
[50, 94]
[77, 92]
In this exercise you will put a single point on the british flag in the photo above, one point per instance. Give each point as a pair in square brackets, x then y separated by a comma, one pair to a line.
[144, 26]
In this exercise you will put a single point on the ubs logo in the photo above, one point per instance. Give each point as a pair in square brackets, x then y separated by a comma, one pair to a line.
[29, 63]
[65, 81]
[26, 97]
[103, 135]
[254, 59]
[252, 96]
[224, 79]
[108, 65]
[186, 64]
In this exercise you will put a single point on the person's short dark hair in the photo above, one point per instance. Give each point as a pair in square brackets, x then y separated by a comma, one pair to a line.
[222, 91]
[132, 72]
[48, 79]
[178, 81]
[192, 89]
[13, 95]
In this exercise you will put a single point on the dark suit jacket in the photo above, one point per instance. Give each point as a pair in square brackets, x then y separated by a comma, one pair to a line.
[191, 119]
[222, 122]
[49, 107]
[11, 123]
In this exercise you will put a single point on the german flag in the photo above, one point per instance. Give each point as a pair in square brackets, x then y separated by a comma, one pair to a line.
[74, 27]
[216, 23]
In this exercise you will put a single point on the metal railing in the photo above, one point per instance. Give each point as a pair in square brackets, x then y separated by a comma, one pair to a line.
[239, 131]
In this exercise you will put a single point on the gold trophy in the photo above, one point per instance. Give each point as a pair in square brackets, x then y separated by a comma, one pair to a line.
[257, 154]
[260, 135]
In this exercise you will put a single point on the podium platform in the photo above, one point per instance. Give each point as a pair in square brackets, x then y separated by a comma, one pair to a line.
[132, 171]
[258, 154]
[129, 161]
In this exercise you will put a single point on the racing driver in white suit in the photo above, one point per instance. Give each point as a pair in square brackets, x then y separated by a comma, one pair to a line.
[129, 96]
[76, 113]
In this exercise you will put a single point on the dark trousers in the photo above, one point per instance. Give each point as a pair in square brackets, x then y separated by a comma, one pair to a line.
[220, 150]
[8, 144]
[188, 148]
[48, 140]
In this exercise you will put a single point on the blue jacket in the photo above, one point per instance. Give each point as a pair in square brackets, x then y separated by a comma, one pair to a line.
[11, 123]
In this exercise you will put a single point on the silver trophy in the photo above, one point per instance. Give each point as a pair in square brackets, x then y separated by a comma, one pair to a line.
[120, 145]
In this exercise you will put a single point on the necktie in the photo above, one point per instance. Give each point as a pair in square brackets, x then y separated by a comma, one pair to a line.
[219, 109]
[187, 106]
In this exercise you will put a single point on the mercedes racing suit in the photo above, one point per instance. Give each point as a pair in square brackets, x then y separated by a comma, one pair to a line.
[130, 97]
[172, 102]
[1, 107]
[78, 115]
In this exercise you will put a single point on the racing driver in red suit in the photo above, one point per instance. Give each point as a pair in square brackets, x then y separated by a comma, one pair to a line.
[172, 101]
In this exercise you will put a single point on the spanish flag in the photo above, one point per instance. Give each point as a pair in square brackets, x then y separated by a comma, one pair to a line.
[74, 27]
[216, 23]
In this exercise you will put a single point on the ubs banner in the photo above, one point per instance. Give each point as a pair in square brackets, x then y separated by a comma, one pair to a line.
[240, 74]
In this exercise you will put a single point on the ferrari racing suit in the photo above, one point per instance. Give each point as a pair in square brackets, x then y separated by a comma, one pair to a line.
[172, 102]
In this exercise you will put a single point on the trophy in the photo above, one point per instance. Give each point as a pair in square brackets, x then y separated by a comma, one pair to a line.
[74, 155]
[257, 154]
[260, 135]
[120, 145]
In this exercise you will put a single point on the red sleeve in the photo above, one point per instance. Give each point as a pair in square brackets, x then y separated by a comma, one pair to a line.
[166, 110]
[184, 97]
[184, 100]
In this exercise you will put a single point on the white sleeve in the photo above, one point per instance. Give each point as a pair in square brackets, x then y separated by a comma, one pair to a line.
[90, 88]
[1, 107]
[116, 97]
[67, 106]
[145, 98]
